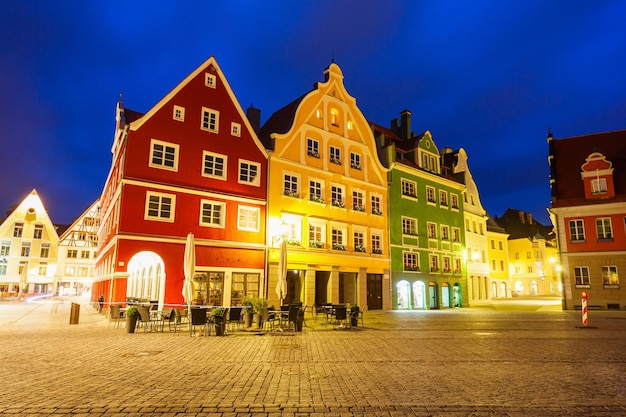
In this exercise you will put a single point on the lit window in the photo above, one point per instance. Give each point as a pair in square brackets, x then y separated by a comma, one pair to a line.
[84, 254]
[249, 172]
[210, 120]
[18, 229]
[457, 264]
[609, 275]
[434, 263]
[350, 126]
[410, 261]
[454, 201]
[432, 230]
[212, 213]
[164, 155]
[443, 198]
[456, 234]
[210, 80]
[582, 275]
[445, 263]
[337, 239]
[235, 129]
[214, 165]
[334, 117]
[179, 113]
[38, 232]
[359, 242]
[317, 235]
[598, 186]
[376, 244]
[336, 195]
[312, 148]
[576, 230]
[72, 253]
[160, 207]
[603, 226]
[248, 218]
[445, 233]
[335, 155]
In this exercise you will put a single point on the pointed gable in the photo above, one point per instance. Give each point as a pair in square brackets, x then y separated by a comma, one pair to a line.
[597, 175]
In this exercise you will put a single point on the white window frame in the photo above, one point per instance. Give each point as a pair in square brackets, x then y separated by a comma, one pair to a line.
[335, 155]
[338, 195]
[313, 147]
[433, 263]
[576, 230]
[358, 200]
[355, 161]
[317, 233]
[376, 240]
[606, 272]
[162, 164]
[604, 228]
[376, 204]
[431, 197]
[432, 230]
[454, 201]
[158, 217]
[408, 188]
[248, 218]
[291, 184]
[445, 232]
[215, 156]
[581, 276]
[210, 125]
[598, 186]
[409, 226]
[256, 180]
[38, 231]
[316, 190]
[222, 213]
[410, 261]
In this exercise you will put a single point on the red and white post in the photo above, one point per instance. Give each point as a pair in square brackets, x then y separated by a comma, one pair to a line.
[584, 308]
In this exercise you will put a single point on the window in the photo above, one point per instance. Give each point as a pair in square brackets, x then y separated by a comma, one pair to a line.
[179, 113]
[38, 232]
[445, 233]
[376, 244]
[294, 230]
[502, 265]
[337, 239]
[164, 155]
[210, 80]
[244, 285]
[481, 229]
[409, 226]
[359, 242]
[493, 244]
[248, 218]
[474, 227]
[493, 264]
[408, 188]
[72, 253]
[235, 129]
[529, 269]
[609, 275]
[528, 254]
[430, 195]
[317, 235]
[84, 254]
[376, 205]
[25, 249]
[210, 120]
[576, 231]
[18, 229]
[433, 261]
[336, 195]
[410, 261]
[212, 213]
[456, 234]
[249, 172]
[432, 230]
[443, 198]
[69, 271]
[500, 245]
[43, 268]
[5, 248]
[333, 117]
[467, 225]
[516, 255]
[598, 186]
[355, 160]
[290, 185]
[603, 226]
[445, 263]
[582, 275]
[315, 191]
[335, 155]
[160, 206]
[457, 265]
[3, 269]
[357, 200]
[45, 250]
[454, 201]
[214, 165]
[312, 148]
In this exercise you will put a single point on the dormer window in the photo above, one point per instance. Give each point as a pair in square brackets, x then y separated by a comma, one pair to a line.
[598, 186]
[210, 80]
[597, 176]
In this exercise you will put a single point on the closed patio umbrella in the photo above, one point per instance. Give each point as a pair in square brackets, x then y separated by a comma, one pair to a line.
[189, 268]
[281, 285]
[23, 281]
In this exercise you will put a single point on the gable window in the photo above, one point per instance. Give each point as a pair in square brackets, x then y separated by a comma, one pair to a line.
[375, 203]
[249, 172]
[212, 213]
[25, 249]
[603, 227]
[290, 185]
[335, 155]
[210, 80]
[312, 148]
[408, 188]
[336, 195]
[248, 218]
[454, 201]
[5, 248]
[357, 200]
[214, 165]
[582, 275]
[235, 129]
[179, 113]
[430, 195]
[576, 231]
[432, 230]
[38, 232]
[334, 117]
[315, 191]
[210, 120]
[355, 160]
[409, 226]
[160, 206]
[609, 275]
[598, 186]
[164, 155]
[45, 250]
[410, 261]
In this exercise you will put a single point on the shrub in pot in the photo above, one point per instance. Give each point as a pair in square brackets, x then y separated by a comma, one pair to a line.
[219, 317]
[132, 314]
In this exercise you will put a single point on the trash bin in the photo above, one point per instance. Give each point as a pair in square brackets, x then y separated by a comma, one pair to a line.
[74, 313]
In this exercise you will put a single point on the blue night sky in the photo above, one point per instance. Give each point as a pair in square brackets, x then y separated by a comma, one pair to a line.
[488, 76]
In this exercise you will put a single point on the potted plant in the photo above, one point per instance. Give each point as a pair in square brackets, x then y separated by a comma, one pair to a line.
[258, 304]
[132, 313]
[299, 320]
[220, 321]
[354, 315]
[248, 312]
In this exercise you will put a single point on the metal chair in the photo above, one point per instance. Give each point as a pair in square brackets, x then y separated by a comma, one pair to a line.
[198, 318]
[145, 319]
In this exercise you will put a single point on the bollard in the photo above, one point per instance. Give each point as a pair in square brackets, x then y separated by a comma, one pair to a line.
[74, 313]
[584, 308]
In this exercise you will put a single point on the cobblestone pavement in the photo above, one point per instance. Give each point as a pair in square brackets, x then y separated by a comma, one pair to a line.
[520, 360]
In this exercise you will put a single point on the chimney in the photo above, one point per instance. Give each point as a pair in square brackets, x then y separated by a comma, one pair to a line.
[254, 117]
[402, 125]
[522, 216]
[529, 217]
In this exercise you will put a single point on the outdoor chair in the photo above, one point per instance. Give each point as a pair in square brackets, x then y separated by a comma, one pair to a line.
[145, 319]
[167, 315]
[178, 320]
[235, 317]
[294, 310]
[358, 315]
[199, 318]
[115, 315]
[341, 316]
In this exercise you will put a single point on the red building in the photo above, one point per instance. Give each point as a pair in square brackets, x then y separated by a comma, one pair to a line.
[192, 163]
[588, 183]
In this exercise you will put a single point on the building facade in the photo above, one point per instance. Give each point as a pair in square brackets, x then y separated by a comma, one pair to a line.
[588, 208]
[498, 255]
[425, 220]
[328, 199]
[191, 164]
[28, 251]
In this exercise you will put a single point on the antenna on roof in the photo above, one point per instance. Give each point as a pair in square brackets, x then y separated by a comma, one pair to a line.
[332, 57]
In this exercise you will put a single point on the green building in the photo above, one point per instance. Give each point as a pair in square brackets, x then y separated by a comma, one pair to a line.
[426, 233]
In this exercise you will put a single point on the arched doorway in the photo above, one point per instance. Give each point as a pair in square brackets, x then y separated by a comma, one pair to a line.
[494, 288]
[419, 295]
[146, 280]
[457, 299]
[445, 295]
[533, 288]
[403, 290]
[519, 288]
[502, 292]
[433, 299]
